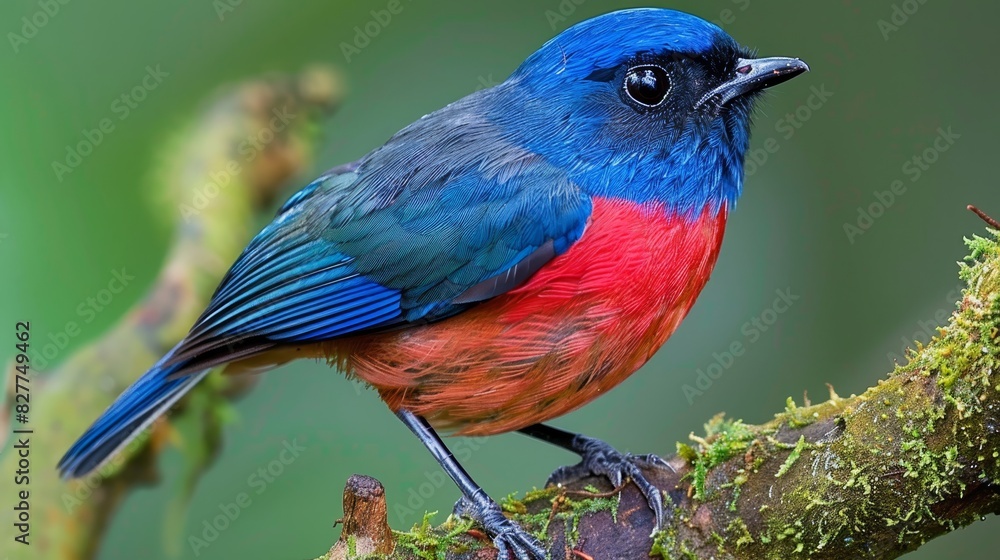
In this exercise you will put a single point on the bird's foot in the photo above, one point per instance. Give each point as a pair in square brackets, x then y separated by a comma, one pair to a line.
[600, 459]
[511, 541]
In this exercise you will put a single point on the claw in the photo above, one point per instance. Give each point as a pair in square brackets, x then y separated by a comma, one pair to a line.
[511, 541]
[654, 461]
[599, 458]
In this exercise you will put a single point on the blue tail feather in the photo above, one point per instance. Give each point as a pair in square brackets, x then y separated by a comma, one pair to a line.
[134, 410]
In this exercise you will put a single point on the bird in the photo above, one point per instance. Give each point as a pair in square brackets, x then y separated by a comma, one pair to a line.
[502, 261]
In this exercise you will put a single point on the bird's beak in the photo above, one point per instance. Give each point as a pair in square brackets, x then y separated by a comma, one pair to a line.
[754, 75]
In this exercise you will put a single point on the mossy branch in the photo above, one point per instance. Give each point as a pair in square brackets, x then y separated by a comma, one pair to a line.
[870, 476]
[218, 179]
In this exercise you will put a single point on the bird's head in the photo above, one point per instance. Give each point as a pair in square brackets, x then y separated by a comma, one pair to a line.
[652, 105]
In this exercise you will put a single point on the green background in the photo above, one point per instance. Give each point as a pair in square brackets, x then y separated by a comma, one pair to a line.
[858, 301]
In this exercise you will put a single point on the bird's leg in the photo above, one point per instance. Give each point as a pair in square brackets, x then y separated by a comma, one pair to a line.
[510, 540]
[599, 458]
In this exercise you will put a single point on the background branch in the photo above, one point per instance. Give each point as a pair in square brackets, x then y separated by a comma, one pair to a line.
[213, 225]
[870, 476]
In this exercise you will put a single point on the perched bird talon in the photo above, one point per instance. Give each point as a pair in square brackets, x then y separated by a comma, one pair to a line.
[509, 539]
[597, 458]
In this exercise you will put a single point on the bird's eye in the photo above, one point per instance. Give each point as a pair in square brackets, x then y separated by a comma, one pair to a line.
[647, 85]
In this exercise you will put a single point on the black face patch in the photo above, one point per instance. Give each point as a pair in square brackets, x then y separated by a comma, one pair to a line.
[669, 81]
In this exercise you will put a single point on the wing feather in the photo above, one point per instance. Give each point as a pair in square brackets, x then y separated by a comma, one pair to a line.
[419, 230]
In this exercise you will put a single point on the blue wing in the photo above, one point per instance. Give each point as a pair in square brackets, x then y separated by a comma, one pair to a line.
[445, 215]
[321, 270]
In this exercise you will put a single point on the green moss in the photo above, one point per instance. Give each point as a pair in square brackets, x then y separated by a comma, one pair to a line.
[428, 543]
[737, 486]
[792, 457]
[795, 416]
[903, 444]
[981, 249]
[667, 546]
[511, 504]
[686, 452]
[724, 439]
[557, 505]
[738, 528]
[579, 509]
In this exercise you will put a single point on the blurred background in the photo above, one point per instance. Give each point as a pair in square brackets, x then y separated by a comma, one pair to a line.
[866, 274]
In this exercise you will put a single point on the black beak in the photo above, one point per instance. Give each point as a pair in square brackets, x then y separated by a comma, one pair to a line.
[754, 75]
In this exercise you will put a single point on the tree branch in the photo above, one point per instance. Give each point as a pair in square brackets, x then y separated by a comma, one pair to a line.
[217, 194]
[870, 476]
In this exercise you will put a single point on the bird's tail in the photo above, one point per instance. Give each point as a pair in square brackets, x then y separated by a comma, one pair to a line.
[134, 410]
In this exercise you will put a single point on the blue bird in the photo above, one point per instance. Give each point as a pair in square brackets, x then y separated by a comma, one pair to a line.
[501, 261]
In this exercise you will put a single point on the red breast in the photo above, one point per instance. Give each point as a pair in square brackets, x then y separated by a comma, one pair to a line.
[577, 328]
